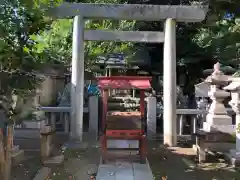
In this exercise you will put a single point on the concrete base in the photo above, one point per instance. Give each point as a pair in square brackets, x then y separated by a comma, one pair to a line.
[17, 155]
[43, 173]
[74, 145]
[124, 170]
[221, 128]
[123, 144]
[233, 157]
[33, 124]
[219, 119]
[216, 146]
[56, 160]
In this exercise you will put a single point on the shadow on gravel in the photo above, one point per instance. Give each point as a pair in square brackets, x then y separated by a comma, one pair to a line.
[180, 163]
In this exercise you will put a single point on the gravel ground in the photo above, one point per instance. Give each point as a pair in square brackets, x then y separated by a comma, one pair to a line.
[29, 142]
[173, 163]
[179, 163]
[78, 165]
[27, 169]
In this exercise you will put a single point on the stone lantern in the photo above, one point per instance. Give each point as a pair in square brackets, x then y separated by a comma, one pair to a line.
[234, 87]
[217, 118]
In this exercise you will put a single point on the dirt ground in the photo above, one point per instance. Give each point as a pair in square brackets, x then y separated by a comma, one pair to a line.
[30, 143]
[27, 169]
[179, 163]
[173, 163]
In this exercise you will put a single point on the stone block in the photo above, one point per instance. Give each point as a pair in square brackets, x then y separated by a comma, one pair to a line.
[17, 156]
[31, 124]
[233, 158]
[93, 115]
[46, 139]
[54, 160]
[151, 117]
[43, 173]
[134, 144]
[230, 129]
[221, 119]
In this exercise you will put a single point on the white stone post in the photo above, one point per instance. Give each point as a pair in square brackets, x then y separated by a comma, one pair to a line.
[202, 105]
[234, 87]
[169, 84]
[110, 74]
[151, 116]
[236, 107]
[134, 93]
[77, 79]
[93, 116]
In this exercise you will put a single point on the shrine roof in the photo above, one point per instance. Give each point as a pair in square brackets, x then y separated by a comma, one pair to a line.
[124, 82]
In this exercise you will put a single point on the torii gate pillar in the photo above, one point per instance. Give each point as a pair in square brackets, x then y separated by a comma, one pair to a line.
[169, 84]
[77, 80]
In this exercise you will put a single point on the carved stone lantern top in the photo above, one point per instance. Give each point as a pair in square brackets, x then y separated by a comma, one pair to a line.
[218, 77]
[233, 86]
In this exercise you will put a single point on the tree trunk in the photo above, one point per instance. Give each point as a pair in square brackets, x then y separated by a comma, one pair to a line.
[2, 154]
[8, 153]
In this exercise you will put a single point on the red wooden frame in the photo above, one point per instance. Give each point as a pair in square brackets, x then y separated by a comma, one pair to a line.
[124, 82]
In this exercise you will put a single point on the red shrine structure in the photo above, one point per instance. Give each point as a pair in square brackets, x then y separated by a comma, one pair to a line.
[119, 125]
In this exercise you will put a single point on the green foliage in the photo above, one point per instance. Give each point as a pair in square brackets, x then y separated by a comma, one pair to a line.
[55, 43]
[29, 40]
[221, 40]
[18, 63]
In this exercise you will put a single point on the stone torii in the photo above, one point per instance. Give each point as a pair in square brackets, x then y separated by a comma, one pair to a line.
[142, 12]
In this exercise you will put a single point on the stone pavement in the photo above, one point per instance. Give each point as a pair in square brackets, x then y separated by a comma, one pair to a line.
[79, 164]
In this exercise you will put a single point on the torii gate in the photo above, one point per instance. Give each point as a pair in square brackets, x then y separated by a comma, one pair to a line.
[171, 15]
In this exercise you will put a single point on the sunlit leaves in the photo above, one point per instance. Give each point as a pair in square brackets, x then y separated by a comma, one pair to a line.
[221, 40]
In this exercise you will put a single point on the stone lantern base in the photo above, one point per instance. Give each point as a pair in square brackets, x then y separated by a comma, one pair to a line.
[218, 119]
[233, 156]
[230, 129]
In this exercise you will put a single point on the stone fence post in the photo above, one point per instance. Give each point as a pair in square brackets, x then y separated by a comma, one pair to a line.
[46, 140]
[93, 116]
[151, 117]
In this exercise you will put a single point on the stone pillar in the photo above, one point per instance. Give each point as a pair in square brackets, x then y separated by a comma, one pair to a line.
[234, 87]
[109, 75]
[169, 83]
[235, 103]
[77, 79]
[93, 116]
[134, 93]
[106, 72]
[202, 105]
[151, 117]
